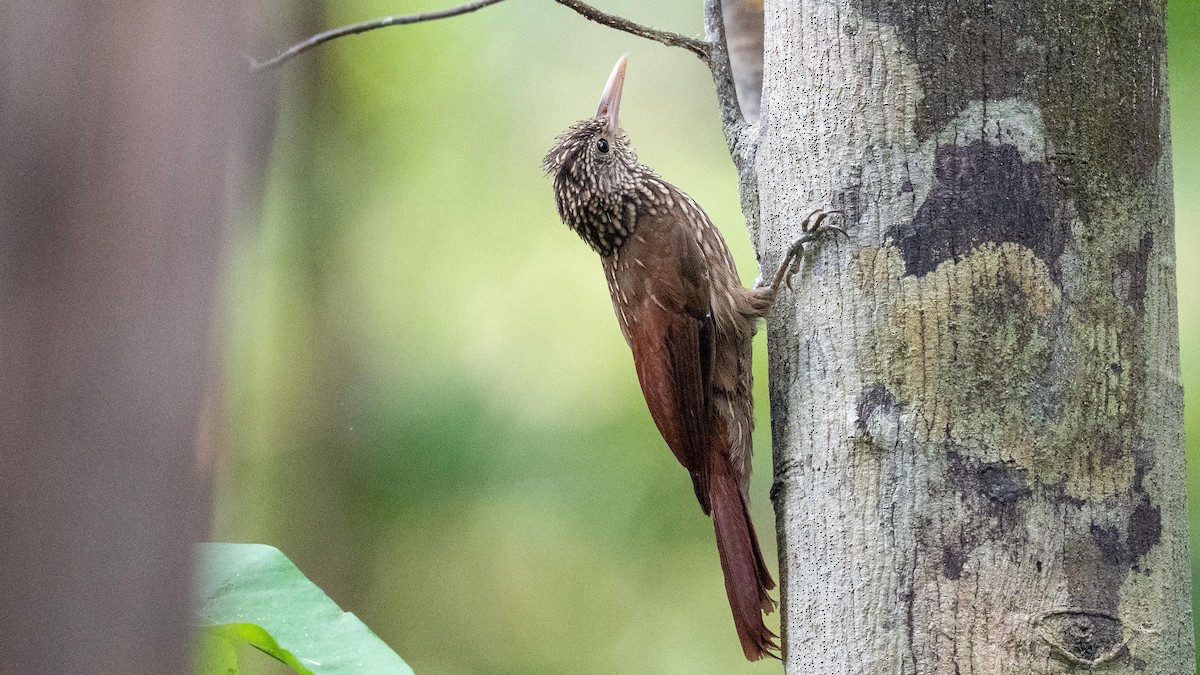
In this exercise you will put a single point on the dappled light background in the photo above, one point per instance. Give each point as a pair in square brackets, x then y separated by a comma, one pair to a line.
[429, 404]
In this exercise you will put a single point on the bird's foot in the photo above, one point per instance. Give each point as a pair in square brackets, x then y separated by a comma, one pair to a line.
[814, 226]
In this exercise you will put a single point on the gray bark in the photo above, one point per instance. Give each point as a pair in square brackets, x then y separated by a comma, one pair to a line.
[976, 402]
[116, 123]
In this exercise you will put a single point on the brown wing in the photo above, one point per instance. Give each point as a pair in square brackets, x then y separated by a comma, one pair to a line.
[672, 342]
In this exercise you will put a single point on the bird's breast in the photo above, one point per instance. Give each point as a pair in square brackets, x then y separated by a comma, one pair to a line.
[626, 289]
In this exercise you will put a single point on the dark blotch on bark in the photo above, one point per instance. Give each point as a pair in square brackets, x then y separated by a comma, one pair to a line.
[1144, 531]
[953, 559]
[990, 489]
[990, 494]
[1108, 541]
[1109, 448]
[1144, 528]
[1133, 266]
[872, 399]
[1002, 483]
[982, 193]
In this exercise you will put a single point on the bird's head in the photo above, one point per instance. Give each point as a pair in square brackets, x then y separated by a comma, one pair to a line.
[592, 161]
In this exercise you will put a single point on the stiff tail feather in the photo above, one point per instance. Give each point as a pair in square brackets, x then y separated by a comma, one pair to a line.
[747, 580]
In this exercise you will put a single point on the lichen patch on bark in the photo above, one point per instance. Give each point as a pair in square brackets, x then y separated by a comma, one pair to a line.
[951, 335]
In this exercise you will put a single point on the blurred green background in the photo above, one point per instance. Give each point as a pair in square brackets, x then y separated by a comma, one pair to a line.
[429, 405]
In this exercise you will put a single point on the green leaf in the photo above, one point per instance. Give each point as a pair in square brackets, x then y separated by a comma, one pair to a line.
[218, 656]
[253, 593]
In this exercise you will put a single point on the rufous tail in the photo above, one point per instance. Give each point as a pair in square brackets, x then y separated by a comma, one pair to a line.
[747, 580]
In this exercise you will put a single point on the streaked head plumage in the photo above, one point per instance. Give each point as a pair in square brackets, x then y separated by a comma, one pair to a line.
[596, 172]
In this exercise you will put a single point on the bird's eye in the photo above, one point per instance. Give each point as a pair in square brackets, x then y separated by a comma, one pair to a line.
[602, 145]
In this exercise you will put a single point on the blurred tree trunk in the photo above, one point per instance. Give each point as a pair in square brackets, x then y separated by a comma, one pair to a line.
[301, 461]
[976, 402]
[117, 121]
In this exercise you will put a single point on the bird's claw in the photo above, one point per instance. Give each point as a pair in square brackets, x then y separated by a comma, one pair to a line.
[817, 221]
[814, 225]
[793, 269]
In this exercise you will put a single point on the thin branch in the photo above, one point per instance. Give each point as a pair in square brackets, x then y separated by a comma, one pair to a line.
[697, 47]
[741, 136]
[365, 26]
[734, 122]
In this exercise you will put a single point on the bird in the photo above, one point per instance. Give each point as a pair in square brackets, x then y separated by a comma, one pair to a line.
[689, 323]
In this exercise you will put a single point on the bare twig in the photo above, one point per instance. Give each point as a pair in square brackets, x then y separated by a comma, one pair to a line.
[697, 47]
[365, 26]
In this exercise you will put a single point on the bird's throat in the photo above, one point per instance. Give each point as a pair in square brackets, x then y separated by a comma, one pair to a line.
[603, 220]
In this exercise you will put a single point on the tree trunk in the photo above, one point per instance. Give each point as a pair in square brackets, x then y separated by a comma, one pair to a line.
[116, 123]
[975, 402]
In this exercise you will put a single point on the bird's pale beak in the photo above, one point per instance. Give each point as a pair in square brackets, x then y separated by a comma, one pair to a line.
[610, 100]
